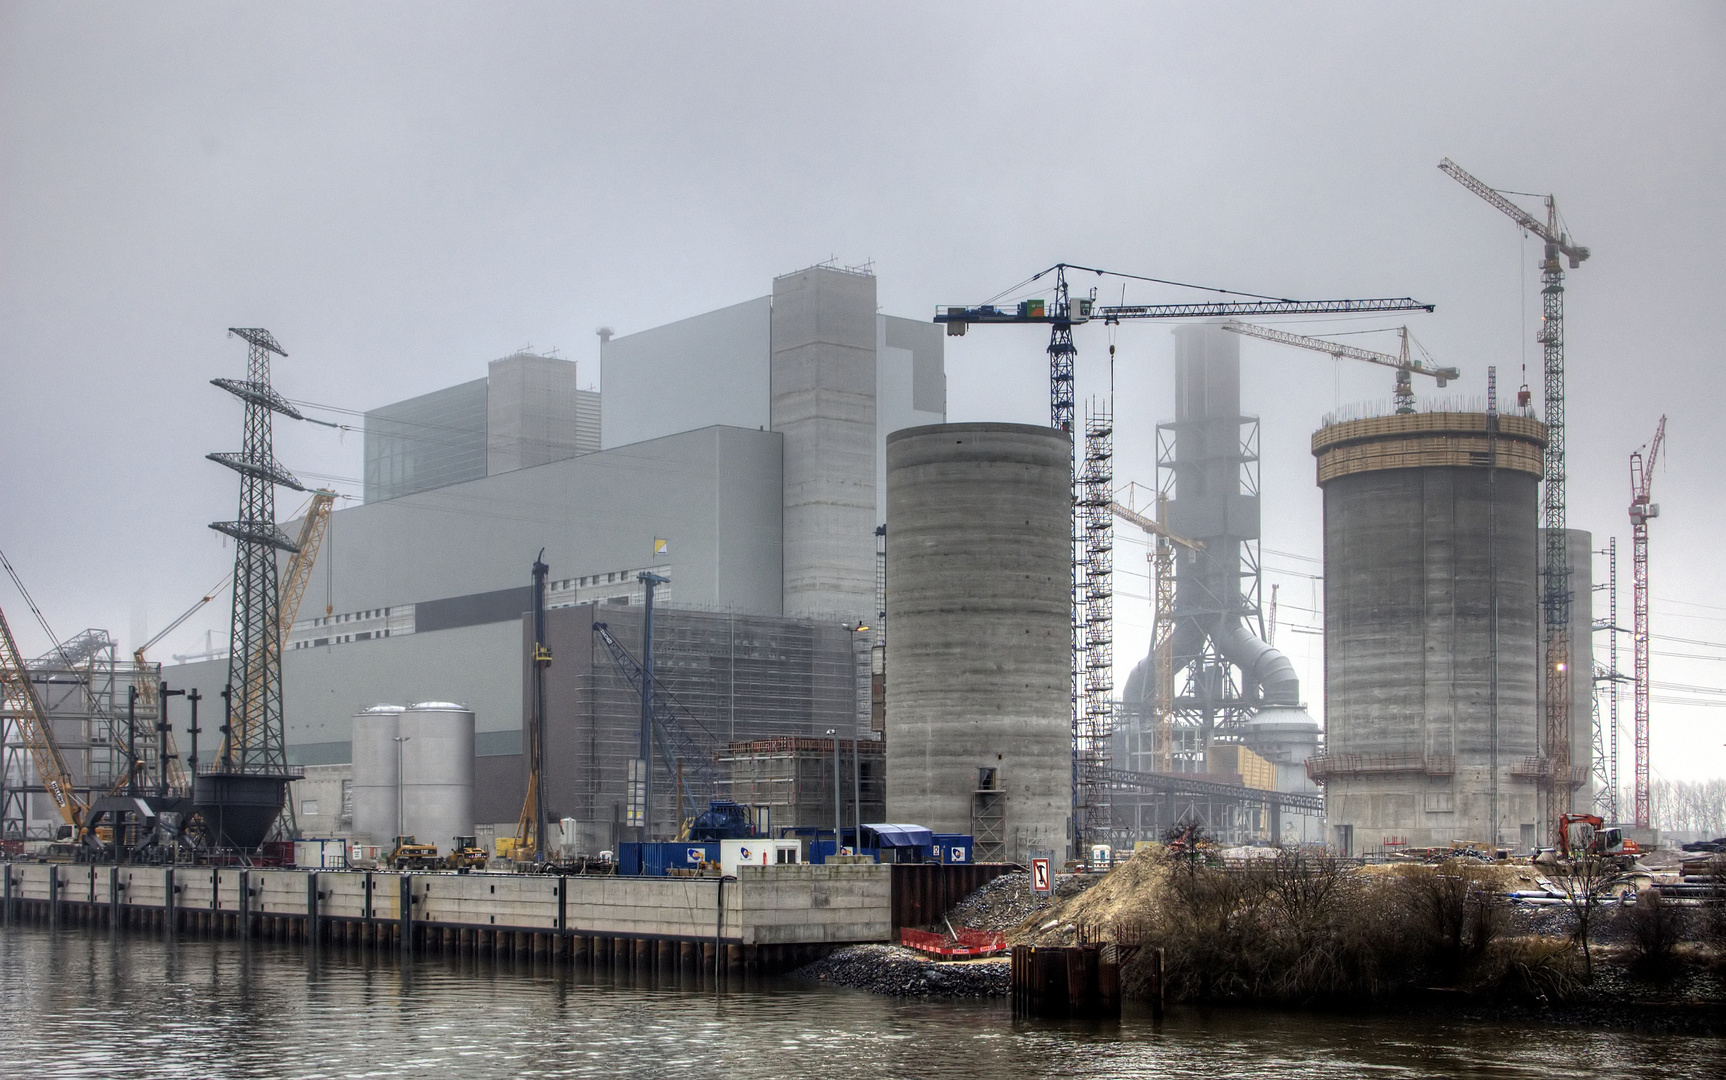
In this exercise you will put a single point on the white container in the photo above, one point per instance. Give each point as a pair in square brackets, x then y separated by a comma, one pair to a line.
[375, 776]
[437, 773]
[761, 852]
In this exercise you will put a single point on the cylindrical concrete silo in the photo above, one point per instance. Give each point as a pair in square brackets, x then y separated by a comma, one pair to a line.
[979, 690]
[375, 776]
[437, 772]
[1430, 629]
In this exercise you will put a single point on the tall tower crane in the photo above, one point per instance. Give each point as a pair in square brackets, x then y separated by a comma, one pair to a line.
[1404, 390]
[1092, 528]
[1556, 595]
[1641, 510]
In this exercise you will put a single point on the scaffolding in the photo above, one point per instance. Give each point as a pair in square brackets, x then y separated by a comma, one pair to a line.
[728, 678]
[793, 777]
[101, 718]
[1094, 719]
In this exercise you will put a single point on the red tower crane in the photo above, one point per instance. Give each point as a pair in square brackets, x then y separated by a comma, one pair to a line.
[1641, 509]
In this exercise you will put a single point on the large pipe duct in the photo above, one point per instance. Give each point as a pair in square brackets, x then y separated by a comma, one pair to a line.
[1269, 675]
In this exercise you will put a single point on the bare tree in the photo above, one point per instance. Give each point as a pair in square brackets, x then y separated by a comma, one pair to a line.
[1584, 882]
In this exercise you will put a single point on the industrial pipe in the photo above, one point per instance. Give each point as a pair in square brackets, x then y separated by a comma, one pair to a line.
[1270, 676]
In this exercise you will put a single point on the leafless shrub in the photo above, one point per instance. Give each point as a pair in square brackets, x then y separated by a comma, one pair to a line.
[1453, 912]
[1656, 927]
[1542, 969]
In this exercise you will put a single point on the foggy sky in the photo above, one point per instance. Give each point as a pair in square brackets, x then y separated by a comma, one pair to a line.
[400, 192]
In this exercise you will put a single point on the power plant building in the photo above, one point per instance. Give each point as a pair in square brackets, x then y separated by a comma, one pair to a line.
[740, 453]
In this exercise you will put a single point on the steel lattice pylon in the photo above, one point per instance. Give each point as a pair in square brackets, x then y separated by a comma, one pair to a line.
[255, 743]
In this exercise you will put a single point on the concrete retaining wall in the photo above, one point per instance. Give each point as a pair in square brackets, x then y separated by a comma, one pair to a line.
[774, 906]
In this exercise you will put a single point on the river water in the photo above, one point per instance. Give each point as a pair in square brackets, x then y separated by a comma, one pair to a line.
[79, 1004]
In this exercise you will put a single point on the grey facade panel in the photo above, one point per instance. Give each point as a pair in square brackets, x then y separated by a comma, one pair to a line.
[497, 744]
[474, 609]
[323, 688]
[499, 787]
[715, 494]
[323, 753]
[708, 369]
[426, 442]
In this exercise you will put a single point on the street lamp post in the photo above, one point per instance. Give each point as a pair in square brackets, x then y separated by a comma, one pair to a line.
[399, 740]
[864, 707]
[838, 789]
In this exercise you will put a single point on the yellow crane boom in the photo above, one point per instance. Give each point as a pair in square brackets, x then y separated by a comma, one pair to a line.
[295, 577]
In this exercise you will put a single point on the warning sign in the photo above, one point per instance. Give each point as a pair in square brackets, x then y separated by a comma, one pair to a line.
[1040, 876]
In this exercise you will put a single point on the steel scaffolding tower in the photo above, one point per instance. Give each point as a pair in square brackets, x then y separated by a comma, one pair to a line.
[1094, 629]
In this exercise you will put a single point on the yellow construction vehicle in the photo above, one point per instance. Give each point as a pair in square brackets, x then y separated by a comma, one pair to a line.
[410, 854]
[466, 855]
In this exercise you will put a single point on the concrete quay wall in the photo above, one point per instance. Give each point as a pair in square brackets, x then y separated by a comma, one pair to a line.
[766, 917]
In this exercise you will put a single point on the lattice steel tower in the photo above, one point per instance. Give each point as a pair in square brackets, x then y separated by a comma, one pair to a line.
[251, 770]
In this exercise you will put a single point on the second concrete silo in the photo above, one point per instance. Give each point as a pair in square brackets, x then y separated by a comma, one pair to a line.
[1430, 629]
[979, 685]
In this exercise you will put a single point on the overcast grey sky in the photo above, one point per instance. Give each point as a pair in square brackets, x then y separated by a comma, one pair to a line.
[403, 191]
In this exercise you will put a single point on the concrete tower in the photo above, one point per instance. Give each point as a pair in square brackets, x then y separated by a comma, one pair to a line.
[823, 402]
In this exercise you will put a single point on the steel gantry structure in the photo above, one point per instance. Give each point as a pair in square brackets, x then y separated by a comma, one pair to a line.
[1641, 510]
[1092, 605]
[1558, 776]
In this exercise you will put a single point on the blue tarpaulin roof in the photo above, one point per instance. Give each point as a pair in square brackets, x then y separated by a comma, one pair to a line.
[902, 835]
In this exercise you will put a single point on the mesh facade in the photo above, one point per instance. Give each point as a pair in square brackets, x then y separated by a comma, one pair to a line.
[733, 678]
[427, 442]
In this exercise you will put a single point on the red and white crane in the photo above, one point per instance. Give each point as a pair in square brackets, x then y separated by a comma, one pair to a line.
[1641, 509]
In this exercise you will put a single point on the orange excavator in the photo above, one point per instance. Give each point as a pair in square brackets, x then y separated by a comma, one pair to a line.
[1586, 836]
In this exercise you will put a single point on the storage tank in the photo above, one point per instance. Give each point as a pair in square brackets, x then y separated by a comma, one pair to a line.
[375, 762]
[978, 683]
[1430, 629]
[437, 772]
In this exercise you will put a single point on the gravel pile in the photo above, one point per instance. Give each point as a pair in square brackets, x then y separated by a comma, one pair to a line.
[1008, 901]
[899, 972]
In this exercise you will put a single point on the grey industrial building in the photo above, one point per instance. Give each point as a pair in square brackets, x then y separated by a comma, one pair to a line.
[740, 453]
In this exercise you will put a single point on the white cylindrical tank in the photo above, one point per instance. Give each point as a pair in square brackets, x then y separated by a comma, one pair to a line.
[437, 772]
[375, 776]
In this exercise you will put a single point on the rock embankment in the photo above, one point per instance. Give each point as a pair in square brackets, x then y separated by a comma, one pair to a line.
[1008, 901]
[894, 971]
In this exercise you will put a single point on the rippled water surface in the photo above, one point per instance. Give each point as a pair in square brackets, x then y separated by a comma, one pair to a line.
[79, 1004]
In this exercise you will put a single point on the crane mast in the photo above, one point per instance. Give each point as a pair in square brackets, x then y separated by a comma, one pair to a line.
[1555, 601]
[1641, 510]
[1404, 391]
